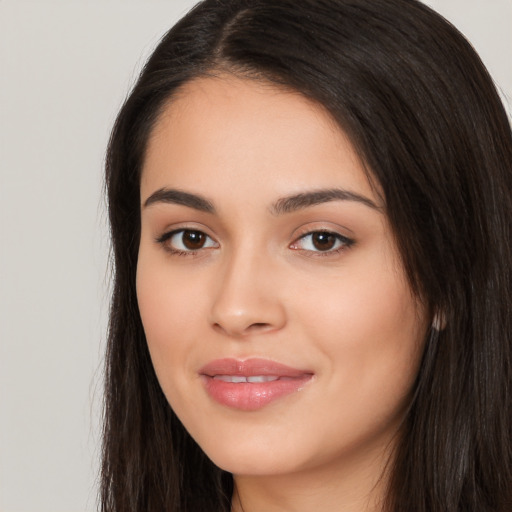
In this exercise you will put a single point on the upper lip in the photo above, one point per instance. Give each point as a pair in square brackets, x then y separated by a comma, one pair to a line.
[251, 367]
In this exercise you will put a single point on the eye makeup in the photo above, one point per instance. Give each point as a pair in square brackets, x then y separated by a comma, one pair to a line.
[322, 243]
[188, 242]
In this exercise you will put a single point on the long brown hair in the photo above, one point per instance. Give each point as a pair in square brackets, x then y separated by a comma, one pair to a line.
[422, 111]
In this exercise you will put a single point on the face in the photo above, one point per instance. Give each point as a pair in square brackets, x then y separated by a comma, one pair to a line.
[277, 313]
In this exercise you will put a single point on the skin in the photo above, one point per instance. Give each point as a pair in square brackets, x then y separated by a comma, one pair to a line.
[259, 287]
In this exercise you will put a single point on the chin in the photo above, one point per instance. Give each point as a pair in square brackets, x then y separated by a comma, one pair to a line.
[255, 465]
[257, 457]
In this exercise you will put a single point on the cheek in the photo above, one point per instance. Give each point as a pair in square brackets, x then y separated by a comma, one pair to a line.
[169, 310]
[367, 303]
[370, 331]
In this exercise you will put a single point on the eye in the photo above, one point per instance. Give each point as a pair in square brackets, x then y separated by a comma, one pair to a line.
[322, 241]
[186, 241]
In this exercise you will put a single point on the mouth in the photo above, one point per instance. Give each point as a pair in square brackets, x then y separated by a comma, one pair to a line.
[251, 384]
[236, 379]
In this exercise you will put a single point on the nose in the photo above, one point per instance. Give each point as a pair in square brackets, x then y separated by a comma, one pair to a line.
[247, 299]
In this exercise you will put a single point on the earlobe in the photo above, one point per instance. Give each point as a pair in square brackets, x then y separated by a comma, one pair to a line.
[439, 321]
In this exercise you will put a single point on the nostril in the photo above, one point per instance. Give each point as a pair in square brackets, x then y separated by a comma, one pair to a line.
[258, 326]
[238, 316]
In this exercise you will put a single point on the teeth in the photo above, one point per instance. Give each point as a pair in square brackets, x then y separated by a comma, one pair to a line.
[230, 378]
[240, 378]
[262, 378]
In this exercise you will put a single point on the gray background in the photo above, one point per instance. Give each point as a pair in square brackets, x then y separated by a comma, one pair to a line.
[65, 68]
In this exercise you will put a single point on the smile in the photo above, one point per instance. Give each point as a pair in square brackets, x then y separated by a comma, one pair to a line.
[240, 378]
[251, 384]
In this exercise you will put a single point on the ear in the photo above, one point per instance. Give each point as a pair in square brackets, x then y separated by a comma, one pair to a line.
[439, 321]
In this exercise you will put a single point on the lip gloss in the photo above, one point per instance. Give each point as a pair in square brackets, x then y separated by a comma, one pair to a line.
[251, 384]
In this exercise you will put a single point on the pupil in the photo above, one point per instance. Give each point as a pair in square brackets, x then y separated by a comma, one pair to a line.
[193, 239]
[324, 241]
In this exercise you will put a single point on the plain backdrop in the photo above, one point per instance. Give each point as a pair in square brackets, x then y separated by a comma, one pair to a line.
[65, 68]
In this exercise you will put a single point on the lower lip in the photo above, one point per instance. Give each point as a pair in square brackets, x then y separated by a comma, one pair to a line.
[251, 396]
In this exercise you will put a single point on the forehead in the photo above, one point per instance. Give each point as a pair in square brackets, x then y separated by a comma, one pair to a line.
[241, 99]
[226, 130]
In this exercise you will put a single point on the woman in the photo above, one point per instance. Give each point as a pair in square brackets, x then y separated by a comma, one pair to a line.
[311, 218]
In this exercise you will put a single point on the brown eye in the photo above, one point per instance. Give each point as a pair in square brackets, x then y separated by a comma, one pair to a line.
[184, 241]
[193, 240]
[323, 241]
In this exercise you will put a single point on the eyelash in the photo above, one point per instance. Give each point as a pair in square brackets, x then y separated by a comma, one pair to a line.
[342, 241]
[166, 237]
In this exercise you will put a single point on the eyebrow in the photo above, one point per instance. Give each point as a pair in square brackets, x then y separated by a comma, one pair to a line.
[307, 199]
[282, 206]
[172, 196]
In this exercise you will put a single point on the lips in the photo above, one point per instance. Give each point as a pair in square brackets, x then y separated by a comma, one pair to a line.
[251, 379]
[251, 384]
